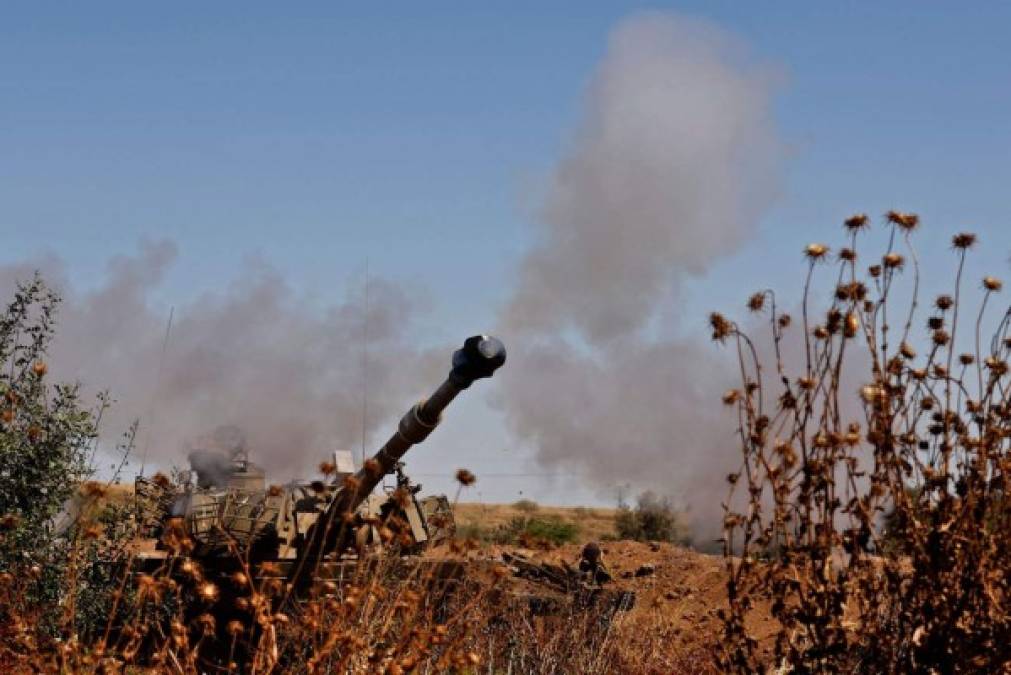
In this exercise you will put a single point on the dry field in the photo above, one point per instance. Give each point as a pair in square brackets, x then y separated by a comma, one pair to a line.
[594, 523]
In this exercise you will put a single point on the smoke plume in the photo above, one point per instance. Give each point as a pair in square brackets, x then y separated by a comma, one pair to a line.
[257, 355]
[674, 161]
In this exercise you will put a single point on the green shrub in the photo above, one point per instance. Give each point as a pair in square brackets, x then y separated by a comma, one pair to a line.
[550, 528]
[47, 442]
[654, 518]
[523, 530]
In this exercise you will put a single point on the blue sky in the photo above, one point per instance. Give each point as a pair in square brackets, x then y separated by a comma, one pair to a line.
[318, 135]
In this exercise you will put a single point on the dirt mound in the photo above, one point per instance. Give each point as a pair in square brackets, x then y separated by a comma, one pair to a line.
[678, 593]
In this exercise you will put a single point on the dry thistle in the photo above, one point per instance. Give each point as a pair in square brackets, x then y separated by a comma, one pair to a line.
[856, 222]
[208, 592]
[756, 302]
[721, 327]
[963, 240]
[871, 393]
[465, 477]
[815, 252]
[906, 221]
[39, 368]
[852, 325]
[992, 284]
[893, 261]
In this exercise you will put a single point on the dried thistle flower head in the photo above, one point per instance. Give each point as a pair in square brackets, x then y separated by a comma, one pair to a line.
[893, 261]
[784, 321]
[721, 327]
[815, 252]
[997, 366]
[39, 368]
[874, 271]
[992, 284]
[940, 337]
[465, 477]
[944, 302]
[731, 397]
[852, 325]
[963, 240]
[966, 359]
[856, 222]
[327, 468]
[907, 351]
[847, 254]
[208, 592]
[756, 302]
[871, 393]
[906, 221]
[206, 622]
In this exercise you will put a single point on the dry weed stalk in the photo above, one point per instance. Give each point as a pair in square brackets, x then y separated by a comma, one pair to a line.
[873, 523]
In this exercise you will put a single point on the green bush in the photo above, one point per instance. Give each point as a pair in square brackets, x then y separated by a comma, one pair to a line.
[654, 518]
[551, 528]
[523, 530]
[47, 442]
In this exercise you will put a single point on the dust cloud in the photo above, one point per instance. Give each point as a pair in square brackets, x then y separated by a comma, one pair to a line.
[257, 355]
[675, 160]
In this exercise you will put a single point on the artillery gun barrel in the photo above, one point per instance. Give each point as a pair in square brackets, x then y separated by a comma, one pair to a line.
[479, 357]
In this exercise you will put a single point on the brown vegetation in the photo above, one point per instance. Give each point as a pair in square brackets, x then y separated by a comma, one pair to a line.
[874, 520]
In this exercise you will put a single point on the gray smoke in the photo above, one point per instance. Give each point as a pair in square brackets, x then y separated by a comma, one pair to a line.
[257, 356]
[674, 161]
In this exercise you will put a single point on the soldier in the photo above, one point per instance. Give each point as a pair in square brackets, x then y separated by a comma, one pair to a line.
[591, 564]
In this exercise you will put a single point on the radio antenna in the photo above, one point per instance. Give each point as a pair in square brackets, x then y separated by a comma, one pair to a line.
[365, 364]
[157, 388]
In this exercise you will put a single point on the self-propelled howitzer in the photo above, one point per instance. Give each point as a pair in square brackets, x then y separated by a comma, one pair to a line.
[230, 509]
[479, 358]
